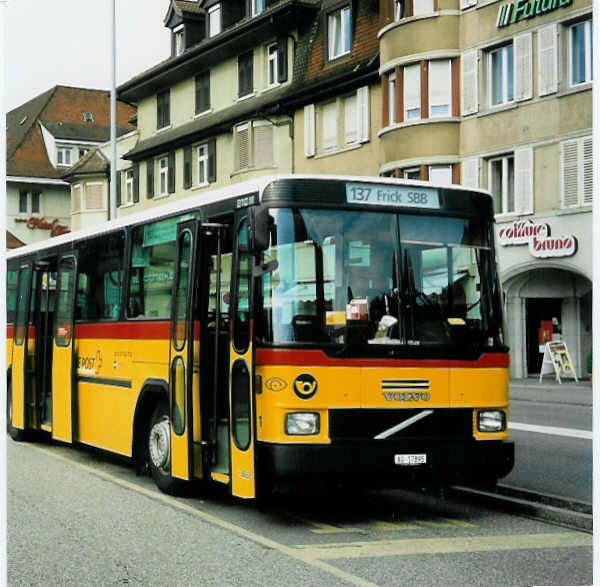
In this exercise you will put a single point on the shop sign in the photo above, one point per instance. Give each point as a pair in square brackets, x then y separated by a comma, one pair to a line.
[537, 236]
[524, 9]
[42, 224]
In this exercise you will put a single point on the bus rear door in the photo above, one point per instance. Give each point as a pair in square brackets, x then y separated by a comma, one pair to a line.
[63, 400]
[182, 376]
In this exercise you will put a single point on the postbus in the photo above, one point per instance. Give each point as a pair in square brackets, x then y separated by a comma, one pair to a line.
[285, 329]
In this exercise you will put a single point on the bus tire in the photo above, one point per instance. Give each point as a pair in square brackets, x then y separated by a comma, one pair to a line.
[15, 433]
[159, 451]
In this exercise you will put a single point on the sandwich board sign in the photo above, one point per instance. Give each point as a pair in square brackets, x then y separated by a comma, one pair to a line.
[557, 359]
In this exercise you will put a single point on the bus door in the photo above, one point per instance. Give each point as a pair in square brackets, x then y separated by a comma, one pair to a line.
[214, 280]
[63, 398]
[183, 352]
[19, 372]
[241, 373]
[43, 298]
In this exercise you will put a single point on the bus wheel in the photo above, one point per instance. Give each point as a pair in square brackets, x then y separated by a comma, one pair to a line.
[14, 433]
[159, 450]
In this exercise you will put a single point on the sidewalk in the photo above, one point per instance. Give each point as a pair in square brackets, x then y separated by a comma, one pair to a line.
[549, 390]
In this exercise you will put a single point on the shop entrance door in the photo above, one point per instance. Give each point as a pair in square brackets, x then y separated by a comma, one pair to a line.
[540, 312]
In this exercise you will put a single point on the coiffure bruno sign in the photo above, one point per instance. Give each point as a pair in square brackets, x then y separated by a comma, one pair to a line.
[537, 236]
[523, 9]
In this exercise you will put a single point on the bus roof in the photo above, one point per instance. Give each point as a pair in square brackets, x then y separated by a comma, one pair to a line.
[183, 205]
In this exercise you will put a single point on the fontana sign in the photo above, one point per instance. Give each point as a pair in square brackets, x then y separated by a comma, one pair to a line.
[537, 237]
[525, 9]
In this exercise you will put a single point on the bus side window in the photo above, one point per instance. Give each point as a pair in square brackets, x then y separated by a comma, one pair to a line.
[11, 294]
[100, 277]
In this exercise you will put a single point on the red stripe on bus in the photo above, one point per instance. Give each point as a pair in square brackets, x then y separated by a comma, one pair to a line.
[317, 358]
[158, 330]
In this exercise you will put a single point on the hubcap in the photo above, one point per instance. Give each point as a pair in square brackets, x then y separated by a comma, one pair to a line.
[160, 445]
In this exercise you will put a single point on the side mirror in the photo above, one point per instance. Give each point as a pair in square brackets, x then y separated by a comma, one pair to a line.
[260, 229]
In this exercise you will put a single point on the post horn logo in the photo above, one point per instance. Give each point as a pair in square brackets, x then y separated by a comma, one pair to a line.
[305, 386]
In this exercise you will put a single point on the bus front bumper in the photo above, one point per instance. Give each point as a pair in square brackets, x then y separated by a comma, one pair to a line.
[446, 461]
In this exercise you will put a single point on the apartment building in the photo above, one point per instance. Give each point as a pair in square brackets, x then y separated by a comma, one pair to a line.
[46, 136]
[488, 94]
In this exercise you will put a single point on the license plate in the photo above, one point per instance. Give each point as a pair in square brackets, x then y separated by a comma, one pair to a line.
[410, 460]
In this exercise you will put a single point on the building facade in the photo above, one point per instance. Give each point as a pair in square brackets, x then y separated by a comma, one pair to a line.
[46, 136]
[487, 94]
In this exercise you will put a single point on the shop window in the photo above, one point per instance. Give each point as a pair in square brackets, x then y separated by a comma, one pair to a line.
[339, 32]
[500, 68]
[576, 172]
[580, 53]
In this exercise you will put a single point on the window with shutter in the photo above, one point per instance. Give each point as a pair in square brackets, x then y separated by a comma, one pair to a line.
[392, 98]
[282, 60]
[202, 164]
[150, 178]
[588, 170]
[163, 115]
[422, 7]
[129, 186]
[339, 32]
[309, 130]
[440, 87]
[272, 65]
[202, 82]
[243, 146]
[245, 74]
[263, 144]
[580, 53]
[94, 196]
[412, 92]
[214, 20]
[469, 99]
[500, 75]
[163, 176]
[547, 60]
[440, 174]
[523, 67]
[501, 183]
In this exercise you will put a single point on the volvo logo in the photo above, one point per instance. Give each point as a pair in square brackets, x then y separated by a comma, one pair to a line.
[406, 396]
[305, 386]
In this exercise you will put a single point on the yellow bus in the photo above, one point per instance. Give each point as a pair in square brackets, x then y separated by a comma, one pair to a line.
[282, 330]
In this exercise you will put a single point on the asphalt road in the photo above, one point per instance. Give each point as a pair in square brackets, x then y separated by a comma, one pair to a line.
[79, 518]
[552, 459]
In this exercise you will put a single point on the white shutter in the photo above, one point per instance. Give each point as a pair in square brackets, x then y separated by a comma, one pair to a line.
[467, 3]
[524, 181]
[523, 69]
[350, 119]
[329, 126]
[569, 176]
[362, 96]
[243, 146]
[412, 91]
[469, 172]
[94, 199]
[588, 170]
[309, 130]
[76, 200]
[422, 7]
[468, 85]
[547, 60]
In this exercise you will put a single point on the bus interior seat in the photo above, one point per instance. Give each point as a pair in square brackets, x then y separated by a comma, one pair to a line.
[305, 328]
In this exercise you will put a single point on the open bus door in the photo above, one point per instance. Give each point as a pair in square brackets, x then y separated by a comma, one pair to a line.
[183, 346]
[241, 374]
[19, 376]
[62, 351]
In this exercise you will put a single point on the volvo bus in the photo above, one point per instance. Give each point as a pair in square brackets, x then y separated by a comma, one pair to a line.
[277, 331]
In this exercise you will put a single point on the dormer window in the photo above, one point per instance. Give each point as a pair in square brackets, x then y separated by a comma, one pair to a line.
[63, 156]
[338, 29]
[179, 41]
[214, 20]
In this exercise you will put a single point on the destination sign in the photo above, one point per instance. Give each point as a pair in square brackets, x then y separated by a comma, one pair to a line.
[391, 195]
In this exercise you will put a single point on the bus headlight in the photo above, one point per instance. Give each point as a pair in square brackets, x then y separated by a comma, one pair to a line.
[302, 423]
[491, 421]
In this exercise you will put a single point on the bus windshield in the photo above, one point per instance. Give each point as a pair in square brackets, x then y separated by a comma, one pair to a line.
[379, 278]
